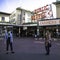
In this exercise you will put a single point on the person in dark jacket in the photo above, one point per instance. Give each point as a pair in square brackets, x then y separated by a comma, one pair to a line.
[9, 41]
[47, 42]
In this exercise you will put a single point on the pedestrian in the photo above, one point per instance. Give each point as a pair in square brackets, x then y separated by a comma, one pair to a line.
[35, 36]
[47, 42]
[9, 41]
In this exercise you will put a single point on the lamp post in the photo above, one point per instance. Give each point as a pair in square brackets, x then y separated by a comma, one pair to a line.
[37, 29]
[57, 32]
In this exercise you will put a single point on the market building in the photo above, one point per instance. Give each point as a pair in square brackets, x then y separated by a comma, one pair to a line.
[24, 26]
[4, 22]
[51, 24]
[37, 22]
[25, 23]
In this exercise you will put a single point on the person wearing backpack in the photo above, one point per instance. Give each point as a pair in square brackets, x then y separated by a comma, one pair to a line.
[9, 41]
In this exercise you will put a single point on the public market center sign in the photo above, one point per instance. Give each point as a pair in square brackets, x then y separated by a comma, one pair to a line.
[43, 12]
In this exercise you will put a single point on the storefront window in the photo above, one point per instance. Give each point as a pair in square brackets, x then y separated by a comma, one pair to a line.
[3, 19]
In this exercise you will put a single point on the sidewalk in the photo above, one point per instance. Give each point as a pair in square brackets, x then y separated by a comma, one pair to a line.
[53, 39]
[29, 49]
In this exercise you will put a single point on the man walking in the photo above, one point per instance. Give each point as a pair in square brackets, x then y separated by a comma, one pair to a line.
[9, 41]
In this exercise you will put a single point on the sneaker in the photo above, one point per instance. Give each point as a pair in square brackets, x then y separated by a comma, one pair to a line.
[12, 52]
[6, 52]
[47, 54]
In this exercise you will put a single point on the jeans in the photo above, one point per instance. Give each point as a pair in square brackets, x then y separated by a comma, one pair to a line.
[47, 49]
[7, 45]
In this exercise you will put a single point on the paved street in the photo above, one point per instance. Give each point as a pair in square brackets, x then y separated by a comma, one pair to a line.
[30, 49]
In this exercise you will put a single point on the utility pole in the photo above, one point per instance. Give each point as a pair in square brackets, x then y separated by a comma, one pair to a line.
[57, 32]
[37, 29]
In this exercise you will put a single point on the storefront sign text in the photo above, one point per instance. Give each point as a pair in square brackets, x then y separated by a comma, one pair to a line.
[49, 22]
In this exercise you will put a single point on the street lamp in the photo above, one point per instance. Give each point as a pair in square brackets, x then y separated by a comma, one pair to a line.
[37, 29]
[57, 32]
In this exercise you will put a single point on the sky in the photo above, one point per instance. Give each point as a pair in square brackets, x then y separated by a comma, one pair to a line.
[10, 5]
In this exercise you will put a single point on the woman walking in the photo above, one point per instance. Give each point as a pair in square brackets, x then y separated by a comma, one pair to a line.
[47, 42]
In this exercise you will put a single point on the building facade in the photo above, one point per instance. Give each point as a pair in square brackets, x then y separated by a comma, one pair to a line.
[57, 4]
[4, 22]
[42, 20]
[20, 16]
[4, 17]
[27, 23]
[52, 25]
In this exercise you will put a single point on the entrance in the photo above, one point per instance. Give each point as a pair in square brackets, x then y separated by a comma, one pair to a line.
[29, 32]
[51, 29]
[16, 31]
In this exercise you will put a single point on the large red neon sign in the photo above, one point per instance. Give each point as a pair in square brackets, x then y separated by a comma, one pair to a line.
[43, 12]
